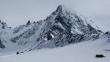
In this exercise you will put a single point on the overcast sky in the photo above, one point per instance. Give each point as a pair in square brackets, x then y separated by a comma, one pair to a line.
[17, 12]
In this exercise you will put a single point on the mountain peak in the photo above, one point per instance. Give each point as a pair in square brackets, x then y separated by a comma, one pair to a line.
[62, 27]
[63, 9]
[60, 7]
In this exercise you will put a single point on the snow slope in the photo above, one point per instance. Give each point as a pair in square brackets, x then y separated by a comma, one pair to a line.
[80, 52]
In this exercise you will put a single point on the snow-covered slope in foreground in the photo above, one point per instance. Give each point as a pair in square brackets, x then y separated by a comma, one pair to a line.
[80, 52]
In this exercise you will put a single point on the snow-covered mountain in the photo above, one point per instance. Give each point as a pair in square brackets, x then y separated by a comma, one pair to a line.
[62, 27]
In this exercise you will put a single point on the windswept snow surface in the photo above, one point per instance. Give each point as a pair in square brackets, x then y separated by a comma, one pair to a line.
[80, 52]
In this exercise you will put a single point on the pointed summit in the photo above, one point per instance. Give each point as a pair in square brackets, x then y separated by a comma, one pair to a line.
[60, 7]
[63, 10]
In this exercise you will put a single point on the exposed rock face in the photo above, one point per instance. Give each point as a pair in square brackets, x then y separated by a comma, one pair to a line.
[3, 25]
[1, 44]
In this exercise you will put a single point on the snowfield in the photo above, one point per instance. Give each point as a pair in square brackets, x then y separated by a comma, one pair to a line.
[80, 52]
